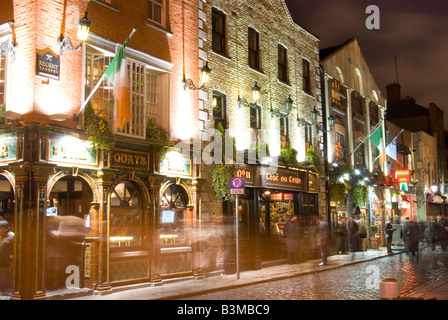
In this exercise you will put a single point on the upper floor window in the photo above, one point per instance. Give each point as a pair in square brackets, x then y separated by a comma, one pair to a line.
[3, 63]
[284, 132]
[156, 12]
[282, 64]
[255, 117]
[254, 49]
[218, 31]
[219, 110]
[143, 89]
[339, 145]
[306, 81]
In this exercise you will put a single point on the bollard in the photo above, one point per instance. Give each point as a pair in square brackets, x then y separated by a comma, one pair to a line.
[389, 288]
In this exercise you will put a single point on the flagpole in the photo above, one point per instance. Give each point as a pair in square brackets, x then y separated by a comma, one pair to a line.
[100, 81]
[371, 131]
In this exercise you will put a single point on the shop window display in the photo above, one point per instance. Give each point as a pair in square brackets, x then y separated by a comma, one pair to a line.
[172, 216]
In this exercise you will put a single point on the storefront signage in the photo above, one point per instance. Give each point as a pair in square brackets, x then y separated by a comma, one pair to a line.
[8, 149]
[176, 163]
[245, 172]
[402, 176]
[48, 65]
[129, 159]
[286, 179]
[71, 150]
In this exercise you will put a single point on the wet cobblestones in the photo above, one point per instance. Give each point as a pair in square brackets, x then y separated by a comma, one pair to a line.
[346, 283]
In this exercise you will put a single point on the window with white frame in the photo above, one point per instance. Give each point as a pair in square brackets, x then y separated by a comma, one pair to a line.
[142, 89]
[156, 12]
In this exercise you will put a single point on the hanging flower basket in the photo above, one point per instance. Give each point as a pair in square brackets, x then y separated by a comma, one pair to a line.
[100, 134]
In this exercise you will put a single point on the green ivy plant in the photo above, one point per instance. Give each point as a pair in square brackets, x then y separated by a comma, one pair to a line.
[338, 193]
[360, 194]
[220, 181]
[289, 155]
[98, 129]
[314, 159]
[158, 135]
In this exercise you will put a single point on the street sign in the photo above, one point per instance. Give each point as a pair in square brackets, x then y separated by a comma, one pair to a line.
[236, 185]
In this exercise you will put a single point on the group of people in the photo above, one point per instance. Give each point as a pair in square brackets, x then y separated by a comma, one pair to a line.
[433, 232]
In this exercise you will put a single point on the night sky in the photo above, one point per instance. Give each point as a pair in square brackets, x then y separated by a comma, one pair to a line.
[416, 31]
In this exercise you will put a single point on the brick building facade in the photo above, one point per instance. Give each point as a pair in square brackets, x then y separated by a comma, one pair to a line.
[115, 216]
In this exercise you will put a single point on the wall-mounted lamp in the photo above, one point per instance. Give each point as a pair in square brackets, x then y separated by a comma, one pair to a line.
[288, 107]
[204, 76]
[319, 127]
[83, 33]
[256, 90]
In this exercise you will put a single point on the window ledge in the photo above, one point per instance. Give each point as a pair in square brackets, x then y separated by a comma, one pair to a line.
[223, 55]
[158, 28]
[284, 83]
[105, 4]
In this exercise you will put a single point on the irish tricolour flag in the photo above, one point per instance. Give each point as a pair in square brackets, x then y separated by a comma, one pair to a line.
[117, 74]
[377, 139]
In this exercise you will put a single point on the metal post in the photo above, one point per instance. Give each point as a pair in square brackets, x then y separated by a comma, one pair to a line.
[237, 239]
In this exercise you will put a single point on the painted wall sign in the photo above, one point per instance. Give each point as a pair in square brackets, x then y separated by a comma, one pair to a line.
[71, 150]
[176, 163]
[48, 64]
[8, 149]
[129, 159]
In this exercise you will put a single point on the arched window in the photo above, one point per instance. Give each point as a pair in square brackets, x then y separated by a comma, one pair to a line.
[126, 218]
[173, 219]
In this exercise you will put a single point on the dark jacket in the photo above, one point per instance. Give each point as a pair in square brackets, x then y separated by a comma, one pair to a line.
[291, 230]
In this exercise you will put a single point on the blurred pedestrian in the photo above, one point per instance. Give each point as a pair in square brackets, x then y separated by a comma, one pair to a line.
[405, 233]
[443, 233]
[353, 233]
[388, 233]
[432, 233]
[291, 233]
[342, 236]
[413, 238]
[6, 255]
[322, 240]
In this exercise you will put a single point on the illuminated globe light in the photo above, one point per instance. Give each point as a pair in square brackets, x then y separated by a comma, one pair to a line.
[84, 28]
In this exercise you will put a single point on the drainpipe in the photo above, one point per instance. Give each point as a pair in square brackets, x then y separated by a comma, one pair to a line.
[325, 140]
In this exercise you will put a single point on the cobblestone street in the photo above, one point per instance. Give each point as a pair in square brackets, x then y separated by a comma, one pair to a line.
[346, 283]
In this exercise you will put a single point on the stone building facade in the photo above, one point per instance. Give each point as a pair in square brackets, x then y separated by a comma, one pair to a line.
[249, 44]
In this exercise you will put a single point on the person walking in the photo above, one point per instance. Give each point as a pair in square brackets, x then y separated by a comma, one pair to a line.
[342, 236]
[6, 255]
[291, 233]
[353, 233]
[405, 233]
[413, 238]
[389, 231]
[322, 240]
[443, 232]
[432, 234]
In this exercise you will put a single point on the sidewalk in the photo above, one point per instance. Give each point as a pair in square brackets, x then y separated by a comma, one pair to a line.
[185, 288]
[437, 290]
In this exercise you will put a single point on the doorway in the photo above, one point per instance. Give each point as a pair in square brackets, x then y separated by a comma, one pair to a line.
[67, 216]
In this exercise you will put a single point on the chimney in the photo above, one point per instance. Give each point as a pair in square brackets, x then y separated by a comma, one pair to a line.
[393, 93]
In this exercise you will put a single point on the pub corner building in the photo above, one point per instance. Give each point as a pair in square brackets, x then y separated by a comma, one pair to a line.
[83, 217]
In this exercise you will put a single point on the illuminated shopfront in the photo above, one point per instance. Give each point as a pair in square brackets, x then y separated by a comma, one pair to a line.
[268, 203]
